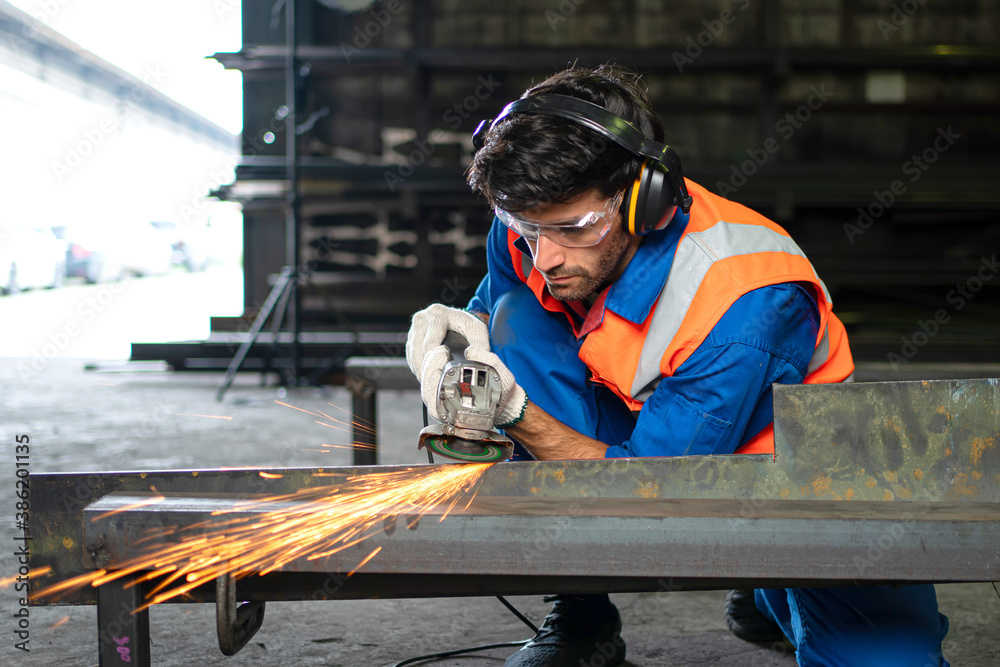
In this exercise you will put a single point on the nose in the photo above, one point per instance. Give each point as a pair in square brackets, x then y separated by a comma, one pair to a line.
[546, 254]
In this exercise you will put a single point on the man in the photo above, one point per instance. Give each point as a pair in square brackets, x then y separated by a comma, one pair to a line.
[630, 312]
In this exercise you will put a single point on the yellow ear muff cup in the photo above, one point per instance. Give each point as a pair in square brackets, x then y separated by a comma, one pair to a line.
[634, 199]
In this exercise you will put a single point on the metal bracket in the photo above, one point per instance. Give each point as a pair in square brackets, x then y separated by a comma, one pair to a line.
[235, 625]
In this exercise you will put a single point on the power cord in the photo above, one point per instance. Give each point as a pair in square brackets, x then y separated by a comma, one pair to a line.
[517, 613]
[473, 649]
[461, 651]
[430, 457]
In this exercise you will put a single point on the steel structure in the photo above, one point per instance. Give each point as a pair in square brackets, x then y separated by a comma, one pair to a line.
[369, 100]
[871, 482]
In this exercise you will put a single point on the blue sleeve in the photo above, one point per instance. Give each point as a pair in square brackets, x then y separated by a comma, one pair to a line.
[500, 275]
[720, 397]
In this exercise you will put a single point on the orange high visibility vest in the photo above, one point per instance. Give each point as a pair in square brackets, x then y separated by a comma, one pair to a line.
[726, 251]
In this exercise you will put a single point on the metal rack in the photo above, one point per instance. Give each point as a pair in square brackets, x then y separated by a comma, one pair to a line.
[812, 186]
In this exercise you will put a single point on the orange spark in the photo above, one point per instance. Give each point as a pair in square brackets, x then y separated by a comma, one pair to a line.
[142, 503]
[362, 563]
[346, 430]
[61, 621]
[309, 524]
[355, 423]
[150, 575]
[269, 475]
[353, 418]
[78, 581]
[299, 409]
[356, 445]
[329, 425]
[33, 574]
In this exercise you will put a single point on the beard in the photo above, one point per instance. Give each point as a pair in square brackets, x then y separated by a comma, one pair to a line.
[590, 281]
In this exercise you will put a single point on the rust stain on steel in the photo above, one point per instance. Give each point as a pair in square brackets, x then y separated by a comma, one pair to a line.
[979, 445]
[648, 489]
[916, 440]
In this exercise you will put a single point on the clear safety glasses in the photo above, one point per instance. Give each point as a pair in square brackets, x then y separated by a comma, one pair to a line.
[577, 232]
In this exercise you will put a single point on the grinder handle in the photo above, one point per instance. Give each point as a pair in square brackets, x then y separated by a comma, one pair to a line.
[456, 344]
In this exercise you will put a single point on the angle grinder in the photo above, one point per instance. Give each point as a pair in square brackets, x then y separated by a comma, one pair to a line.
[468, 399]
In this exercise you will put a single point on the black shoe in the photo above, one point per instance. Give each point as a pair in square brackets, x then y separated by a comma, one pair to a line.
[580, 631]
[746, 621]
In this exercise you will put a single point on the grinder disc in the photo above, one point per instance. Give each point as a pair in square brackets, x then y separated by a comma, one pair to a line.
[475, 451]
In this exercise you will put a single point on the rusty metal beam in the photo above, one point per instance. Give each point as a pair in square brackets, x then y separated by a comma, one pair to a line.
[922, 440]
[923, 445]
[783, 541]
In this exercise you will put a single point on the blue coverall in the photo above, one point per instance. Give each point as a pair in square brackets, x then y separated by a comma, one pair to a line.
[717, 400]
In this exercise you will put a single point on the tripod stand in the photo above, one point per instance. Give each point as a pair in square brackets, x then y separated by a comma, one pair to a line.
[277, 302]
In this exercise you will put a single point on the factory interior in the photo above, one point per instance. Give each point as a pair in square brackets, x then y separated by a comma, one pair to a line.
[211, 253]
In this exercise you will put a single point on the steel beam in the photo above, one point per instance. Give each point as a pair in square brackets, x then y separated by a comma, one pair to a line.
[256, 58]
[928, 447]
[923, 440]
[784, 541]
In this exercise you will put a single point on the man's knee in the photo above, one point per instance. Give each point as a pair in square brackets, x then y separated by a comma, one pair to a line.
[870, 625]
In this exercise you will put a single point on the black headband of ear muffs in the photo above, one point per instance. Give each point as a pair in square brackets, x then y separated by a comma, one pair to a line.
[604, 123]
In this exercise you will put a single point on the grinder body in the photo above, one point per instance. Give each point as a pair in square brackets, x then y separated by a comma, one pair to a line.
[468, 399]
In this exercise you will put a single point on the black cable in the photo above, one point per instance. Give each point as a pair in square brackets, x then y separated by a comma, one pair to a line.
[518, 614]
[448, 654]
[430, 457]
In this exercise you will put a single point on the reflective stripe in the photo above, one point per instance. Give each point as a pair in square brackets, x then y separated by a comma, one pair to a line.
[695, 255]
[526, 264]
[826, 292]
[819, 358]
[822, 352]
[648, 390]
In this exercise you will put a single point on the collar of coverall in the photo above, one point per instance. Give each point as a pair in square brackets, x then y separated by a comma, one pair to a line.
[632, 296]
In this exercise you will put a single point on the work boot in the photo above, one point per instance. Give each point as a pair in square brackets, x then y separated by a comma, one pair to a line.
[746, 621]
[580, 631]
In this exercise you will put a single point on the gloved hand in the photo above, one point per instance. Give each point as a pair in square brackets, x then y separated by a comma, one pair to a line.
[425, 350]
[513, 400]
[427, 355]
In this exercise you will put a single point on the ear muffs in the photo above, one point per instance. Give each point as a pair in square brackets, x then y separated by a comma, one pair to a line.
[649, 203]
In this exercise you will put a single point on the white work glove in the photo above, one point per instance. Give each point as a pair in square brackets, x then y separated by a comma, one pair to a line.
[427, 355]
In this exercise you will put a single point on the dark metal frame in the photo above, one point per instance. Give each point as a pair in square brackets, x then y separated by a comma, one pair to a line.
[122, 632]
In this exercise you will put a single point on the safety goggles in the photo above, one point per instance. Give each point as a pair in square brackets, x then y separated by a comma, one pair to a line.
[578, 232]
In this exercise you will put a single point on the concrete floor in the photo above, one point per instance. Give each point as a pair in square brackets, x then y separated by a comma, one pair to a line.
[120, 418]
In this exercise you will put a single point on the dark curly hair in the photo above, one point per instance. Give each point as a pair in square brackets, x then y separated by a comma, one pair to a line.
[532, 159]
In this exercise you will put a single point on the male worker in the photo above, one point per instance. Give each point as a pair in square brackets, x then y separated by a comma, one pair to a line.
[631, 312]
